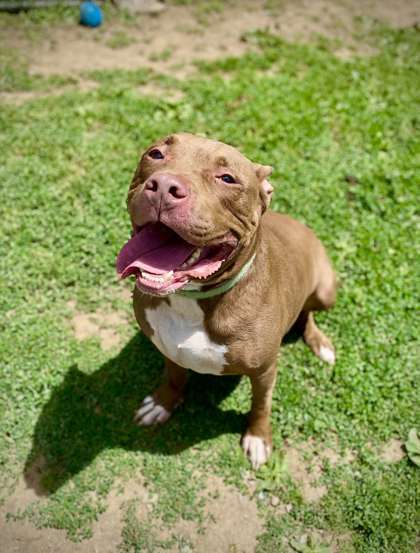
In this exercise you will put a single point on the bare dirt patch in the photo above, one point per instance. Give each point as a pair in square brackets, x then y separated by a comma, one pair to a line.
[306, 480]
[23, 537]
[219, 532]
[100, 324]
[27, 490]
[232, 523]
[305, 465]
[392, 451]
[107, 530]
[222, 532]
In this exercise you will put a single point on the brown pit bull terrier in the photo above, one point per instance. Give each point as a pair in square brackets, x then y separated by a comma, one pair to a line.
[219, 278]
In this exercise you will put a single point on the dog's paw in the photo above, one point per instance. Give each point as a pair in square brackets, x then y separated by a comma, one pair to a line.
[256, 449]
[151, 412]
[320, 344]
[327, 354]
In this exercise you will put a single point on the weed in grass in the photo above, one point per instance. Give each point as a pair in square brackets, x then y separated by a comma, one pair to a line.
[413, 447]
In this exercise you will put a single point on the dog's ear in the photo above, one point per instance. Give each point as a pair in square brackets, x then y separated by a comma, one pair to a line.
[266, 190]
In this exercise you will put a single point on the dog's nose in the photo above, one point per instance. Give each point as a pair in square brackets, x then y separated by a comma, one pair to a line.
[166, 188]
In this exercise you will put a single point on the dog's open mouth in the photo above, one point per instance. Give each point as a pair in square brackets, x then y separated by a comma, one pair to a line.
[163, 262]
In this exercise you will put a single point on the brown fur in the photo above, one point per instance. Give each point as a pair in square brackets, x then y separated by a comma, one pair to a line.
[290, 277]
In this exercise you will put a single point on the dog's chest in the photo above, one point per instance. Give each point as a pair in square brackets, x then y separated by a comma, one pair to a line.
[179, 333]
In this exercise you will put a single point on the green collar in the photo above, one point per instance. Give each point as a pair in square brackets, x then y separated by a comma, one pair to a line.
[199, 295]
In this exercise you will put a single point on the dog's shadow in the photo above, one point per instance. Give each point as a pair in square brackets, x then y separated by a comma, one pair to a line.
[88, 413]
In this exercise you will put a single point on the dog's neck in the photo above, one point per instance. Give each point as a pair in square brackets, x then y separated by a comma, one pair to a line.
[218, 290]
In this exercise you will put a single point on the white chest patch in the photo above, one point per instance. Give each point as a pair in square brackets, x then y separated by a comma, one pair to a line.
[179, 333]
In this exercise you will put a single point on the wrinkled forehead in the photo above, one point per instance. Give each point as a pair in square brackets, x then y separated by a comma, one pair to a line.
[203, 152]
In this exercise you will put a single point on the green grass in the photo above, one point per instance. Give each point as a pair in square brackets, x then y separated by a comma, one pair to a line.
[343, 139]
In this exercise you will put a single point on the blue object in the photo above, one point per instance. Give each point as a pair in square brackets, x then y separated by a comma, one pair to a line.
[90, 14]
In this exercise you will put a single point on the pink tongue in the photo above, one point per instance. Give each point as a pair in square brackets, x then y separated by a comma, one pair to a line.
[156, 249]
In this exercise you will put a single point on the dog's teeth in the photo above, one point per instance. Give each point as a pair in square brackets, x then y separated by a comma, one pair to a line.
[158, 278]
[195, 255]
[192, 259]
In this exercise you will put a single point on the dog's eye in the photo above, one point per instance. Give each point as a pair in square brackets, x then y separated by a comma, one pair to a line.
[156, 154]
[227, 178]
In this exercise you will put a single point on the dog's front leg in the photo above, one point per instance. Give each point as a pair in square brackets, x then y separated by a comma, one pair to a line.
[158, 407]
[257, 441]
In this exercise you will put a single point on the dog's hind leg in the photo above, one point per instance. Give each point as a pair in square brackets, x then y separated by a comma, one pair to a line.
[319, 343]
[322, 298]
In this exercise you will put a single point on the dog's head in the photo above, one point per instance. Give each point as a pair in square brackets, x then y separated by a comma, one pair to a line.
[195, 205]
